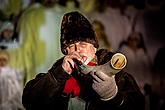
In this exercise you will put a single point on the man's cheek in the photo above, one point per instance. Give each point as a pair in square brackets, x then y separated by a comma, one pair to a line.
[82, 51]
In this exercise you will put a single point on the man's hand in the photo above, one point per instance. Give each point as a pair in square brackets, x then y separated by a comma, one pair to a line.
[68, 62]
[104, 85]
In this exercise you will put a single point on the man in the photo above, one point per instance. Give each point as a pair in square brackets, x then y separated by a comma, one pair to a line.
[66, 87]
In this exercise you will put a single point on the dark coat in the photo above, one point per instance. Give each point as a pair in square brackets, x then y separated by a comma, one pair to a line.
[45, 92]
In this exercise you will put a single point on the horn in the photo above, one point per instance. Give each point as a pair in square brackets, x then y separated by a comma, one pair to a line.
[115, 65]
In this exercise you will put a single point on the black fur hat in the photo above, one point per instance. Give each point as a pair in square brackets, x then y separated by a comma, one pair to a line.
[74, 28]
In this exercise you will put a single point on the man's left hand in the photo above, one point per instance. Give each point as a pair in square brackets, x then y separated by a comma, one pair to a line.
[104, 85]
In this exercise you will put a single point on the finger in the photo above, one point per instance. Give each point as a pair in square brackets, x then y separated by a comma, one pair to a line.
[95, 82]
[101, 75]
[71, 63]
[75, 56]
[76, 53]
[68, 62]
[70, 58]
[97, 79]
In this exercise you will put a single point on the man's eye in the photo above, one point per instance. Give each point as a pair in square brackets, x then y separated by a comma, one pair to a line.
[83, 45]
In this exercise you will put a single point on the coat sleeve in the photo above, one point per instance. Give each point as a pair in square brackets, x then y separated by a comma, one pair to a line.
[42, 91]
[132, 97]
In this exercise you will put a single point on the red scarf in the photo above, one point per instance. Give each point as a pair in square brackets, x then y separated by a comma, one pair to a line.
[71, 84]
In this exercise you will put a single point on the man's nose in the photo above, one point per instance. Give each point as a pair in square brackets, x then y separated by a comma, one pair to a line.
[77, 48]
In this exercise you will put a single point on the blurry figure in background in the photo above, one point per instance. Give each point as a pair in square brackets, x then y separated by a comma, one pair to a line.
[152, 101]
[159, 75]
[38, 29]
[89, 6]
[139, 63]
[159, 69]
[101, 35]
[10, 8]
[71, 5]
[7, 34]
[10, 87]
[101, 5]
[64, 2]
[117, 26]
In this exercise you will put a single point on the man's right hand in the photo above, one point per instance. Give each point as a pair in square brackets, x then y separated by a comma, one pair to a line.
[68, 62]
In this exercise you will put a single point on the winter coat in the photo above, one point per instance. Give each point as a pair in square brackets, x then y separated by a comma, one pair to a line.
[45, 91]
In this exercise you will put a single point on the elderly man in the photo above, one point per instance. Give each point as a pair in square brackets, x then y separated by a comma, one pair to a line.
[83, 79]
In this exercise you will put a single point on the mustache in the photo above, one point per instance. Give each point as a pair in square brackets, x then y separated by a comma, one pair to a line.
[87, 57]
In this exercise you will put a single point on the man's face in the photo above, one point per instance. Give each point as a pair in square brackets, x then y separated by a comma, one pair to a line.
[86, 50]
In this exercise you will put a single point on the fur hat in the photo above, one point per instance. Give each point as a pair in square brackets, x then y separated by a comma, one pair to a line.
[74, 28]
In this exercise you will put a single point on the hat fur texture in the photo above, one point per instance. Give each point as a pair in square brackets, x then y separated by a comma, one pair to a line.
[74, 28]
